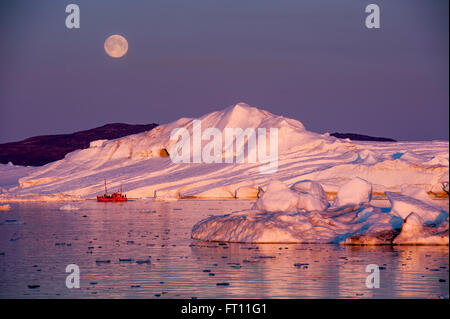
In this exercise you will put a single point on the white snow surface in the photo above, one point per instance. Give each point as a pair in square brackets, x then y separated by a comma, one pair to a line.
[356, 191]
[404, 205]
[135, 162]
[276, 217]
[303, 196]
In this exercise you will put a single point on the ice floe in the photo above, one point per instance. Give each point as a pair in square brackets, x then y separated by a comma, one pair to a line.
[277, 217]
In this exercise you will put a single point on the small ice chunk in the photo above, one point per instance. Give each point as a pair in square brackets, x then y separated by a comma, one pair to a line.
[277, 198]
[357, 191]
[413, 225]
[311, 196]
[413, 232]
[69, 207]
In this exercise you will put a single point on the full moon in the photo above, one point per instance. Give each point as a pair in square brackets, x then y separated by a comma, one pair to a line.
[116, 46]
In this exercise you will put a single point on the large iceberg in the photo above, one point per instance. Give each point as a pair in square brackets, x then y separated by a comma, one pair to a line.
[136, 161]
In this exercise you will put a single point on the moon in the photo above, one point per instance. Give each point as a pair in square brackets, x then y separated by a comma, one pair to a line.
[116, 46]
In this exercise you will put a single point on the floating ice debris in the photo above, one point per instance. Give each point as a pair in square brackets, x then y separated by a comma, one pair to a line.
[12, 222]
[126, 260]
[69, 207]
[222, 284]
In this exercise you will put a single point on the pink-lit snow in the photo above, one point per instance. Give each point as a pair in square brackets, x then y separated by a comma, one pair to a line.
[292, 204]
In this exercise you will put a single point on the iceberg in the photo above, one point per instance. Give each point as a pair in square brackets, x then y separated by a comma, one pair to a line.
[136, 161]
[278, 217]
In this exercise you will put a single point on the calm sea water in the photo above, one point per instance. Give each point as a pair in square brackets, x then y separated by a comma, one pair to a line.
[159, 260]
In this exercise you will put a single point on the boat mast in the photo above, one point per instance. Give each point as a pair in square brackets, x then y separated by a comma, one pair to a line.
[106, 192]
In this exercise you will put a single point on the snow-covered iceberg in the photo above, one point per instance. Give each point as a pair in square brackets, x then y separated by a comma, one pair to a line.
[136, 162]
[277, 217]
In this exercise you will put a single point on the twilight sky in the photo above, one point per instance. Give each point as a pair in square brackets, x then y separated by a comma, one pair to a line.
[311, 60]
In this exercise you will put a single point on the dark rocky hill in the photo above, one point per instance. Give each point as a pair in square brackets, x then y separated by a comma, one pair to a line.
[359, 137]
[40, 150]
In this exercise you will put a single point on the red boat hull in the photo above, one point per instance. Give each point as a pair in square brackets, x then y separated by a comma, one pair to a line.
[114, 197]
[105, 199]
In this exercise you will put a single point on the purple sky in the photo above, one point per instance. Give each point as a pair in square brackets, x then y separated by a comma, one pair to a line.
[313, 60]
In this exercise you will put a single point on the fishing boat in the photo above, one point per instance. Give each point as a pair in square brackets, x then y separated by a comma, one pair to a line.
[114, 197]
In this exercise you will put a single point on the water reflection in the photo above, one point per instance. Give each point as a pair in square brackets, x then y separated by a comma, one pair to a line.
[327, 271]
[112, 243]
